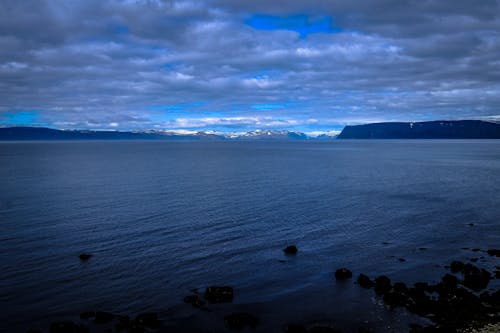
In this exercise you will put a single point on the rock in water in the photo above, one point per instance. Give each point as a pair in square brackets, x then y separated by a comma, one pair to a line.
[194, 300]
[382, 284]
[240, 320]
[292, 249]
[475, 278]
[456, 266]
[102, 317]
[87, 315]
[84, 256]
[343, 274]
[364, 281]
[216, 294]
[494, 252]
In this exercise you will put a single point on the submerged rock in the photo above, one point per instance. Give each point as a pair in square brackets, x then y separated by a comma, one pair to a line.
[394, 298]
[240, 320]
[291, 249]
[382, 284]
[456, 266]
[87, 315]
[102, 317]
[475, 278]
[449, 281]
[494, 252]
[219, 294]
[343, 274]
[194, 300]
[364, 281]
[123, 323]
[400, 287]
[84, 256]
[449, 306]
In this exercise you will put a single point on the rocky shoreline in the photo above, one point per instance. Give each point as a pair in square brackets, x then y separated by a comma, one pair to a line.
[459, 302]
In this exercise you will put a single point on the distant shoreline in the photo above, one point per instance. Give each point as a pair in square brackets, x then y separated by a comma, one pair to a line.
[457, 129]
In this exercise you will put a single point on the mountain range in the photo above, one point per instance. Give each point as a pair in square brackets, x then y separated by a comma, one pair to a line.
[42, 133]
[457, 129]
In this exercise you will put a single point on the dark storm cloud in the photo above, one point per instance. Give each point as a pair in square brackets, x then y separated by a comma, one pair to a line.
[312, 64]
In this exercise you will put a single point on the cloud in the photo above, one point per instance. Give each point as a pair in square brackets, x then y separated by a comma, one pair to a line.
[252, 64]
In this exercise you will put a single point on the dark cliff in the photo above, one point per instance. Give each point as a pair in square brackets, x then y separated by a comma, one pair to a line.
[459, 129]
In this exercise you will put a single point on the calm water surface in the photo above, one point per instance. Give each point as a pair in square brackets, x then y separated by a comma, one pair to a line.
[162, 218]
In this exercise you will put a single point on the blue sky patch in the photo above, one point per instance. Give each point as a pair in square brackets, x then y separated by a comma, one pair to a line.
[302, 24]
[20, 118]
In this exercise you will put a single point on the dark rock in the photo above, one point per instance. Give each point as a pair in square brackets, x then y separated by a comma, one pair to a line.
[495, 298]
[103, 317]
[476, 250]
[457, 266]
[474, 259]
[67, 327]
[190, 299]
[475, 278]
[295, 329]
[343, 274]
[134, 328]
[402, 259]
[123, 323]
[422, 248]
[382, 284]
[148, 319]
[292, 249]
[494, 252]
[400, 287]
[485, 297]
[217, 294]
[449, 281]
[84, 256]
[240, 320]
[364, 281]
[194, 300]
[422, 286]
[87, 315]
[394, 298]
[422, 303]
[323, 329]
[469, 268]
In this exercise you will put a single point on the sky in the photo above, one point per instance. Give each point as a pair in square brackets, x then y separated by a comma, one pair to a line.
[229, 65]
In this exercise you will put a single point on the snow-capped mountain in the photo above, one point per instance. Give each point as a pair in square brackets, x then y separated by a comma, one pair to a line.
[40, 133]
